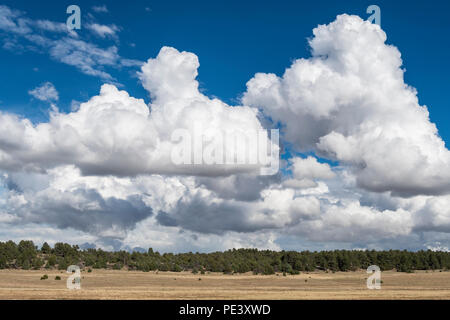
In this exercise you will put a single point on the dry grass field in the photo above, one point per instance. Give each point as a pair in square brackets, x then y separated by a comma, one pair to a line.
[111, 284]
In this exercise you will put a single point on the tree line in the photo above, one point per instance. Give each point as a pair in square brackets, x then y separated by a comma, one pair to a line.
[26, 255]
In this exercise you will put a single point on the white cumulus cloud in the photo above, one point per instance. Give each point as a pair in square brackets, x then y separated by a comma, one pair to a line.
[116, 134]
[349, 102]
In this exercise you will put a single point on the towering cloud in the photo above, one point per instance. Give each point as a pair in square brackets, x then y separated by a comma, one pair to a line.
[115, 134]
[349, 102]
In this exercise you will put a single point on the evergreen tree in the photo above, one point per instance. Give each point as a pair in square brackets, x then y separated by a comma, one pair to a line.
[46, 249]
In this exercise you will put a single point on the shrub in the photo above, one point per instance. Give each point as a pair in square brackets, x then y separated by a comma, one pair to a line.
[57, 278]
[268, 270]
[176, 268]
[117, 266]
[44, 277]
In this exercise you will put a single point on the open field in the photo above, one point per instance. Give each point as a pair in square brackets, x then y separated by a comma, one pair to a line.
[113, 284]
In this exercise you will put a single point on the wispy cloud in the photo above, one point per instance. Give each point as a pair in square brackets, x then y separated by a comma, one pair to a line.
[86, 56]
[103, 31]
[101, 8]
[48, 25]
[24, 34]
[45, 92]
[12, 21]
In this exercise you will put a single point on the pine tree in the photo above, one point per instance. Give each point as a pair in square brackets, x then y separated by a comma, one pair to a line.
[46, 249]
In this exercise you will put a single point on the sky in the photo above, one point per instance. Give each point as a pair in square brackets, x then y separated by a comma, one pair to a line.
[86, 118]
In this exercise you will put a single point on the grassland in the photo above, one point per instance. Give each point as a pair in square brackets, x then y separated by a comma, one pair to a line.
[117, 284]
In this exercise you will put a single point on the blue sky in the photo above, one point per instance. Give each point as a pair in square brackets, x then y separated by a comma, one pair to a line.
[233, 39]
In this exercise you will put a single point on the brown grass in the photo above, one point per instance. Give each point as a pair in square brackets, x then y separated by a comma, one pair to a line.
[113, 284]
